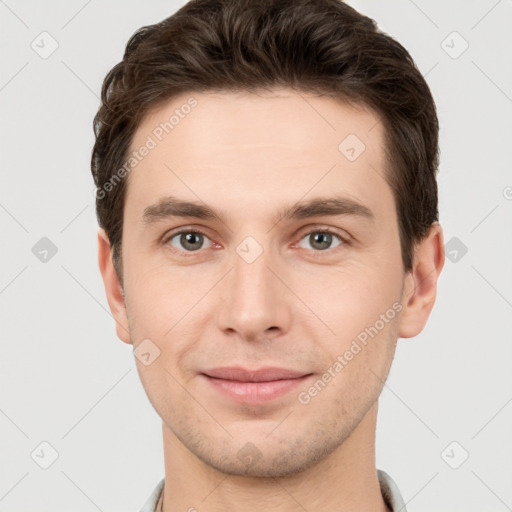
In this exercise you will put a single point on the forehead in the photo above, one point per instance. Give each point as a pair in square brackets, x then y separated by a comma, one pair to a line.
[239, 117]
[272, 145]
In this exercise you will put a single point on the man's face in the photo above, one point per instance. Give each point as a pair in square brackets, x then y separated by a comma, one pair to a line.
[255, 288]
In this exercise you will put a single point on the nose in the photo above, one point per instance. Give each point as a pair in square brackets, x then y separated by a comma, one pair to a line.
[254, 302]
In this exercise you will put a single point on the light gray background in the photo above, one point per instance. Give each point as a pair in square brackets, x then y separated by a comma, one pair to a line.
[67, 380]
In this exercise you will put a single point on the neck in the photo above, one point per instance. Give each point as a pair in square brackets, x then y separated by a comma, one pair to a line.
[344, 480]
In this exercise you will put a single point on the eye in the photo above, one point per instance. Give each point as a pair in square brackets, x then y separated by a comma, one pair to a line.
[321, 240]
[188, 241]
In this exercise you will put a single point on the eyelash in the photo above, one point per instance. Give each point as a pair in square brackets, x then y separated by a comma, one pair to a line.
[344, 240]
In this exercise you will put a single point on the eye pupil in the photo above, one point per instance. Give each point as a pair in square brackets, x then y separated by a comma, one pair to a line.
[323, 239]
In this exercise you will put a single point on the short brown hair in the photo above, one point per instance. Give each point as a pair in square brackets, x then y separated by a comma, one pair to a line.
[320, 46]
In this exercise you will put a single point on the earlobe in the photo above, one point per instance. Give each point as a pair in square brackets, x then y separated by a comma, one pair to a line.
[113, 287]
[421, 283]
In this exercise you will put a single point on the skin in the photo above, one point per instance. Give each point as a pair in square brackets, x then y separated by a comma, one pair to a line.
[248, 156]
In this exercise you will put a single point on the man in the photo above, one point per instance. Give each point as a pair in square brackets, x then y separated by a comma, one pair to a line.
[266, 192]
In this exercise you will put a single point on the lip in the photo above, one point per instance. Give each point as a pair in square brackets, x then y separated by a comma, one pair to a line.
[254, 386]
[267, 374]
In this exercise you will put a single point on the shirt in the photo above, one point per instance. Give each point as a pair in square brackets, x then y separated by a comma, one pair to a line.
[388, 488]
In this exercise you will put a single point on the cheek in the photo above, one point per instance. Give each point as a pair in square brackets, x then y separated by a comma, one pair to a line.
[164, 305]
[153, 295]
[358, 364]
[360, 304]
[352, 298]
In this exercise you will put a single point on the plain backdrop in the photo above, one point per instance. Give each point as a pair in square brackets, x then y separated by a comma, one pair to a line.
[66, 381]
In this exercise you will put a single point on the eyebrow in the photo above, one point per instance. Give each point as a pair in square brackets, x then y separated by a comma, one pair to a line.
[171, 206]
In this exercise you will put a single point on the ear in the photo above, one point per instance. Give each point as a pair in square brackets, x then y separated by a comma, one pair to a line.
[421, 283]
[113, 288]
